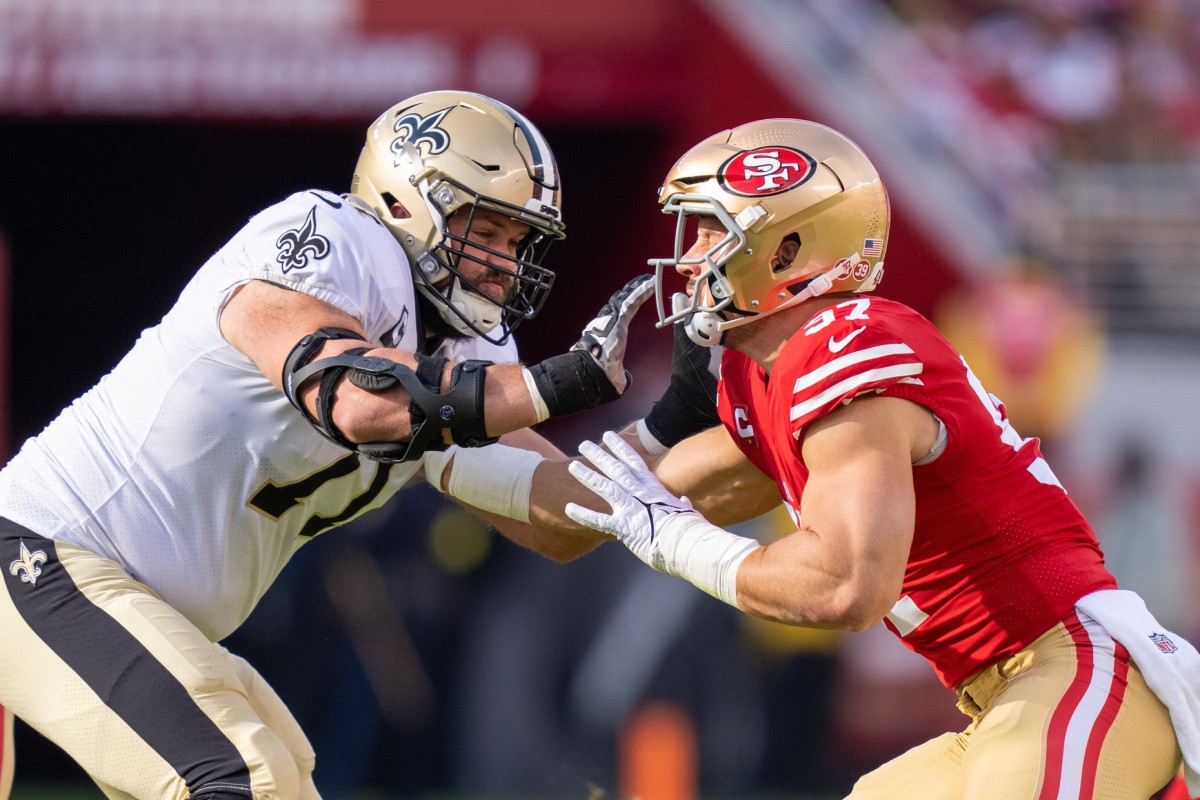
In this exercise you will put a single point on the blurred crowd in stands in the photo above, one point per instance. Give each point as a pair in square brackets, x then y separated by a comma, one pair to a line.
[454, 661]
[1082, 80]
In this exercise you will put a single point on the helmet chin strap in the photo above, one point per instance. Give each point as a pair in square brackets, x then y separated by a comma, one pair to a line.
[707, 328]
[701, 326]
[468, 313]
[481, 312]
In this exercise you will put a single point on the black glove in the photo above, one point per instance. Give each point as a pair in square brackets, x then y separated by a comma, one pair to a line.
[690, 403]
[593, 371]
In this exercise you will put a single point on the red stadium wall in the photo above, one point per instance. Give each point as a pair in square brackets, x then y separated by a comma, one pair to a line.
[665, 68]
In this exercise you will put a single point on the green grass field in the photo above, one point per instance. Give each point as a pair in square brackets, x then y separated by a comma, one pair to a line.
[47, 792]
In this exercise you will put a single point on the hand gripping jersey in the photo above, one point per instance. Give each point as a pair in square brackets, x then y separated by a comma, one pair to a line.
[185, 464]
[1000, 553]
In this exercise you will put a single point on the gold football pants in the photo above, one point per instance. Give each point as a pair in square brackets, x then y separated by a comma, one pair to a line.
[136, 694]
[1068, 717]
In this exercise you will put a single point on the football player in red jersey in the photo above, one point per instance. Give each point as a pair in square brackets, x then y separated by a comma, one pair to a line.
[916, 503]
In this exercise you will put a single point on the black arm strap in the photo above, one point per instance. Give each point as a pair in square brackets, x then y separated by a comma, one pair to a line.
[460, 409]
[304, 350]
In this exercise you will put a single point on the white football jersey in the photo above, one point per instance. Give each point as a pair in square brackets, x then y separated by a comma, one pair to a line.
[185, 464]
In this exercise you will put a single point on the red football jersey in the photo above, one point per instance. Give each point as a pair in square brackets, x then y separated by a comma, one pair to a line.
[1000, 554]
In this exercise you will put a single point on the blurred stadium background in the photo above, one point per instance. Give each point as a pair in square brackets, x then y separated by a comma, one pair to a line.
[1043, 158]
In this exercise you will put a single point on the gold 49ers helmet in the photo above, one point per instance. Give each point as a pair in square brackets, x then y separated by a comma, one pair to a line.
[440, 151]
[768, 182]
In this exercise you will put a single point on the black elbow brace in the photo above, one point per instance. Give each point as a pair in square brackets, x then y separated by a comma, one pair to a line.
[460, 409]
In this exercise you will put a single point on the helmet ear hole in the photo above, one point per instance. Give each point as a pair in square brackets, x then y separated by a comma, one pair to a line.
[394, 206]
[785, 256]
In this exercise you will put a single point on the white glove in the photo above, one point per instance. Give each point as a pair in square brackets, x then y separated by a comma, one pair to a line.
[661, 529]
[640, 504]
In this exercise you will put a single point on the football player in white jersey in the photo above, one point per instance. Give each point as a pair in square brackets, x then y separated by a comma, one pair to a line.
[333, 349]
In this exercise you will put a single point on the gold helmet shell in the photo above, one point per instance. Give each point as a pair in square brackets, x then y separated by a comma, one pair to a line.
[766, 181]
[440, 151]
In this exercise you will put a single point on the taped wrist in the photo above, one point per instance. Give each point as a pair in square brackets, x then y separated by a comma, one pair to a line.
[571, 382]
[435, 462]
[496, 478]
[649, 441]
[694, 549]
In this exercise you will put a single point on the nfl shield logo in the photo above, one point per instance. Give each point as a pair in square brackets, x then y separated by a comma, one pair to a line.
[1164, 642]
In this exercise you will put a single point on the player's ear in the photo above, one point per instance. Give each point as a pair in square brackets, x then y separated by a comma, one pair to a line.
[398, 211]
[789, 248]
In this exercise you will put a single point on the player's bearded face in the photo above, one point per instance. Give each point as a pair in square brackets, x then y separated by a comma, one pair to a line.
[486, 258]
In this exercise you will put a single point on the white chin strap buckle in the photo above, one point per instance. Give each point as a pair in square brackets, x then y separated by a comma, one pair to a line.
[701, 326]
[482, 315]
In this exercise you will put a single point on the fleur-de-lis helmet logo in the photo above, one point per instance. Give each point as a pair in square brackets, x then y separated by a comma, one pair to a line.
[27, 567]
[297, 246]
[422, 133]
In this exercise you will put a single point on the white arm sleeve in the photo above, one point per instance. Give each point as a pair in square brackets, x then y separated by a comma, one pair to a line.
[709, 557]
[495, 478]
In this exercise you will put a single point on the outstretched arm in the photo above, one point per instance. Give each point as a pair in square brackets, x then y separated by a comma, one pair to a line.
[707, 467]
[845, 566]
[511, 487]
[842, 569]
[266, 321]
[523, 489]
[555, 543]
[723, 485]
[371, 404]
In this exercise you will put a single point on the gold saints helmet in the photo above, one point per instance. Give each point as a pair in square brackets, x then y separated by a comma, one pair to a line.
[440, 151]
[768, 182]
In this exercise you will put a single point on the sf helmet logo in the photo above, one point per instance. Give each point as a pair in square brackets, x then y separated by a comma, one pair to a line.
[766, 170]
[423, 133]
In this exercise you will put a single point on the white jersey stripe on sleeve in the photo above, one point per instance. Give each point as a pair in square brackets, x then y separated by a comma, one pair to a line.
[849, 360]
[854, 381]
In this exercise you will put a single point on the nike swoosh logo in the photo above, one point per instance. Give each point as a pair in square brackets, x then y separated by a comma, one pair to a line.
[838, 345]
[326, 200]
